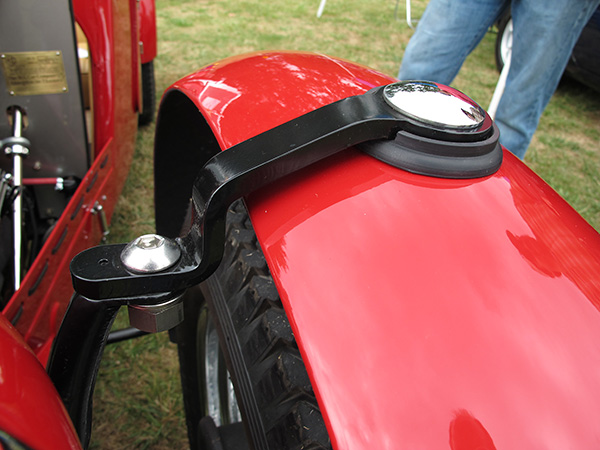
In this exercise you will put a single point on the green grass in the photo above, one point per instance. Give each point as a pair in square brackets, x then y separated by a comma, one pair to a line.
[138, 402]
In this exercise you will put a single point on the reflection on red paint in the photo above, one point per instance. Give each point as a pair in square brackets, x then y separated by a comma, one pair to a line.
[467, 433]
[556, 244]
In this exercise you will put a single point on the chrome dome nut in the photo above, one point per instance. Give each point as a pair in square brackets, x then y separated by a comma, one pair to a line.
[150, 253]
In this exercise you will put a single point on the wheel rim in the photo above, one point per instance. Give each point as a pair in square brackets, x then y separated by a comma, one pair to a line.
[506, 41]
[221, 403]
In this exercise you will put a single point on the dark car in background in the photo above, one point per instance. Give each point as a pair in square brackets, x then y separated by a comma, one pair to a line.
[584, 64]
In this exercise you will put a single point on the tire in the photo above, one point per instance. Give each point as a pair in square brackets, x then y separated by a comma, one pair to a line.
[146, 115]
[503, 39]
[260, 362]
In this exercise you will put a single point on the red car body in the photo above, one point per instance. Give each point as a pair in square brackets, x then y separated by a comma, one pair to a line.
[116, 94]
[31, 409]
[429, 312]
[147, 27]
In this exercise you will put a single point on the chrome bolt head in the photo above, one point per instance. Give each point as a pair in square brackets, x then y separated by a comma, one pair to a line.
[434, 105]
[150, 253]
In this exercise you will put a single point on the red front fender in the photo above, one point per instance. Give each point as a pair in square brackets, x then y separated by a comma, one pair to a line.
[428, 311]
[31, 410]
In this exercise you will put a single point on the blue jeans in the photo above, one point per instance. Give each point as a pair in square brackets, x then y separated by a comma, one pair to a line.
[544, 35]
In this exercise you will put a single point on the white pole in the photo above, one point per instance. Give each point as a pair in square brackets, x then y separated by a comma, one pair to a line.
[504, 74]
[321, 8]
[409, 15]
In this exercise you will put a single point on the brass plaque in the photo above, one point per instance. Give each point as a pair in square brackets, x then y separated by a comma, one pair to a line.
[34, 73]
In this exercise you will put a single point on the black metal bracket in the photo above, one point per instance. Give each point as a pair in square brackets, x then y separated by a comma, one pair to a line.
[75, 359]
[99, 274]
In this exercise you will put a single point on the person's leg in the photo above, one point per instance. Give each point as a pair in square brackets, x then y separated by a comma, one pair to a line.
[545, 33]
[448, 31]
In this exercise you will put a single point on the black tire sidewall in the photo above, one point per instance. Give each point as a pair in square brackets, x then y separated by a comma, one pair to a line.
[188, 347]
[146, 115]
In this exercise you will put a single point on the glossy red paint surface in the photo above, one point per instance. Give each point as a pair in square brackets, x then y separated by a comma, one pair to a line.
[147, 21]
[38, 307]
[430, 313]
[30, 408]
[416, 300]
[96, 21]
[246, 95]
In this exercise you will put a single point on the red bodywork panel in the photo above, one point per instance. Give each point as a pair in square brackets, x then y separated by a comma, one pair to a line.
[31, 409]
[38, 307]
[430, 313]
[147, 21]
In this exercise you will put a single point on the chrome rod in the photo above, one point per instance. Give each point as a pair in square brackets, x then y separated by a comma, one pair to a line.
[17, 153]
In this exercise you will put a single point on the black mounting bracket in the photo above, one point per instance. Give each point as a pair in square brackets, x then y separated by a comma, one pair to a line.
[99, 274]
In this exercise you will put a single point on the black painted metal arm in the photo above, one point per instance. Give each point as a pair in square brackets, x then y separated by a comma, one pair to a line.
[98, 273]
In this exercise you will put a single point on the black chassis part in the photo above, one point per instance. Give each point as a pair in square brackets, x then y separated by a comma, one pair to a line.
[75, 358]
[99, 274]
[76, 354]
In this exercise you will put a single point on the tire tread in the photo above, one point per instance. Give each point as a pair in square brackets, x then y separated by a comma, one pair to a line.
[290, 414]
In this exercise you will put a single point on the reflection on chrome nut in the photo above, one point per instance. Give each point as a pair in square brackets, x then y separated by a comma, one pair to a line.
[433, 105]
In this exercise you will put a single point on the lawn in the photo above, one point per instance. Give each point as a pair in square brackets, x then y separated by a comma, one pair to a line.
[137, 401]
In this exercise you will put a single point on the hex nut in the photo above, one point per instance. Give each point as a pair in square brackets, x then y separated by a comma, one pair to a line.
[156, 318]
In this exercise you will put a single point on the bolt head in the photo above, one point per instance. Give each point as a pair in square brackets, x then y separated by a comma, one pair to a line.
[150, 253]
[434, 105]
